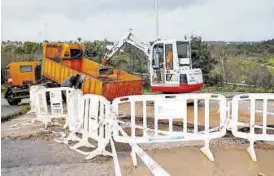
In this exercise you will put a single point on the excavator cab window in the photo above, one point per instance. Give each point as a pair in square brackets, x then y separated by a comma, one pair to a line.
[183, 50]
[158, 63]
[158, 56]
[169, 56]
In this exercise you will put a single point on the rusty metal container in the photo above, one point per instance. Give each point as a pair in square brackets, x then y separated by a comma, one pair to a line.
[121, 84]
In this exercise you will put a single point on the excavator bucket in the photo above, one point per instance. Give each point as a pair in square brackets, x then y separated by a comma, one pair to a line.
[105, 71]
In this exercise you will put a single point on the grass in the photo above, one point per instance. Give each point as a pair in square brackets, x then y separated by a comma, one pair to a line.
[25, 108]
[229, 88]
[232, 88]
[271, 62]
[3, 89]
[146, 89]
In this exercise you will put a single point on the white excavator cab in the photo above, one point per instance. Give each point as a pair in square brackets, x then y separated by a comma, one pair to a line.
[171, 67]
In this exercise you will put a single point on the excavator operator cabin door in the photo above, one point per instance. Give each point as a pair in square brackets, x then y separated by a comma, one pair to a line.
[171, 77]
[158, 71]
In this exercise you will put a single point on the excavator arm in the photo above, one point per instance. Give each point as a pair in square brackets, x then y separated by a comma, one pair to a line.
[128, 38]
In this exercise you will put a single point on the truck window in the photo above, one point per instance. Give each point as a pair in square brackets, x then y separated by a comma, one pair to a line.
[25, 68]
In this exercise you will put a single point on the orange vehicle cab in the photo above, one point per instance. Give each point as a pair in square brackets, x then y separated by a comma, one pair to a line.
[18, 78]
[19, 73]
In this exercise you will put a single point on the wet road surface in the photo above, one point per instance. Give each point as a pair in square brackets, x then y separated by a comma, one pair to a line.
[7, 110]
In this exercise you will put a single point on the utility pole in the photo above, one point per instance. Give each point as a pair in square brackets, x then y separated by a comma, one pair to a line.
[40, 41]
[157, 20]
[46, 26]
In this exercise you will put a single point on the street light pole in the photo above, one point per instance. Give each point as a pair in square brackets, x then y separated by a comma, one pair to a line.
[46, 26]
[157, 19]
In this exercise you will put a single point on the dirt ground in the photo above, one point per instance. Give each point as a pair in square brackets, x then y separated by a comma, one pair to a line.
[184, 158]
[229, 161]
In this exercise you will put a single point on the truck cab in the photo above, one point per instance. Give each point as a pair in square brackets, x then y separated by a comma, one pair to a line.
[18, 77]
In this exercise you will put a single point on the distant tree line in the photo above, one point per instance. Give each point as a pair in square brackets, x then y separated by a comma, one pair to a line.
[250, 63]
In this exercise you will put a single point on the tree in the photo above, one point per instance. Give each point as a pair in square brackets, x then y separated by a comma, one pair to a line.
[260, 76]
[30, 47]
[96, 50]
[230, 64]
[19, 50]
[202, 58]
[2, 75]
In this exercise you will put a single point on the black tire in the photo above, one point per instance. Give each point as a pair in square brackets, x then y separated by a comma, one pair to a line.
[11, 100]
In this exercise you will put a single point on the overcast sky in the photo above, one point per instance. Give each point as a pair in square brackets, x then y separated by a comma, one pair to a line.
[99, 19]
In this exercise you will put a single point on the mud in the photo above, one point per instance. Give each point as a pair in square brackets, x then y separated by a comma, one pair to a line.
[25, 128]
[41, 135]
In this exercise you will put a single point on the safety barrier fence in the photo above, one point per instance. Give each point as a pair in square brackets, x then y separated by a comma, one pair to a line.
[257, 122]
[33, 90]
[49, 103]
[139, 119]
[171, 108]
[74, 121]
[95, 114]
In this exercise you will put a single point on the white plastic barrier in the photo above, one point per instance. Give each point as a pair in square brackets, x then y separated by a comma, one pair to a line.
[252, 136]
[171, 108]
[33, 90]
[155, 168]
[74, 120]
[94, 117]
[95, 113]
[45, 113]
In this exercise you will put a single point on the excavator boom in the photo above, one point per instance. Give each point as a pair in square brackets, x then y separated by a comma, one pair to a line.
[128, 38]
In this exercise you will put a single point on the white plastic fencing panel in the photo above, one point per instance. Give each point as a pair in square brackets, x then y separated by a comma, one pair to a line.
[41, 103]
[172, 109]
[96, 117]
[33, 90]
[247, 112]
[149, 162]
[74, 120]
[56, 102]
[75, 103]
[53, 96]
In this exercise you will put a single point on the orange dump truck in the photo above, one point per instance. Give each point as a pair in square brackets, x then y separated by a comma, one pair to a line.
[18, 77]
[60, 61]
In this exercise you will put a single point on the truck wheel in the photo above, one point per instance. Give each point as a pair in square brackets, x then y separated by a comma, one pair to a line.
[12, 101]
